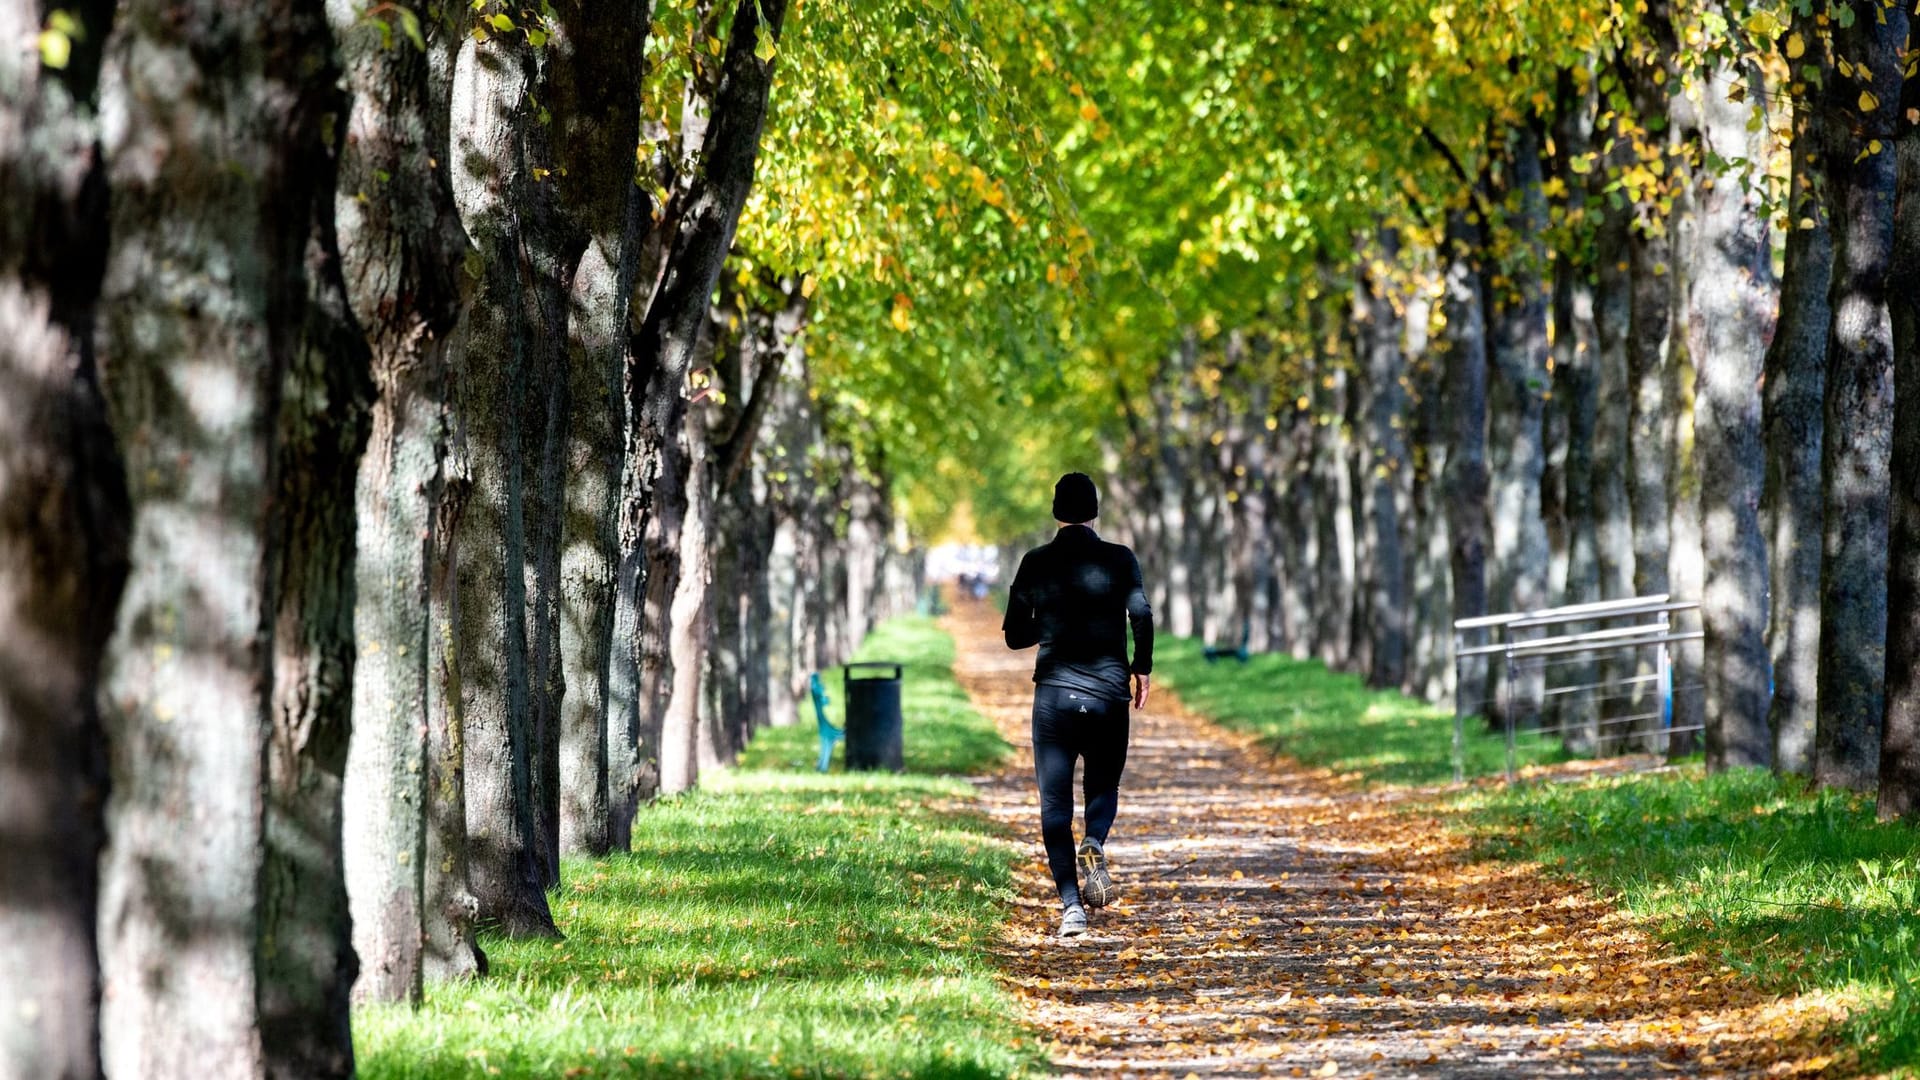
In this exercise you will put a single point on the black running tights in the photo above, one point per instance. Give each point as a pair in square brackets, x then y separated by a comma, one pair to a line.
[1069, 724]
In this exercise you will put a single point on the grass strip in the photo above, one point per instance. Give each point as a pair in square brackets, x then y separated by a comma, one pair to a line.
[776, 923]
[1301, 710]
[1802, 891]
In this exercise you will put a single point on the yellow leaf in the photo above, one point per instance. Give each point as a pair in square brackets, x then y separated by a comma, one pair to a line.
[56, 49]
[1763, 24]
[1796, 46]
[808, 284]
[1868, 102]
[1089, 111]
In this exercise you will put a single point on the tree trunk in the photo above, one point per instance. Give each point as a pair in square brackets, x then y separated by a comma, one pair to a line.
[1431, 676]
[239, 382]
[1517, 326]
[1338, 558]
[402, 249]
[1793, 387]
[590, 537]
[449, 907]
[63, 548]
[699, 220]
[1730, 302]
[1466, 473]
[595, 96]
[1575, 402]
[1900, 733]
[686, 719]
[1387, 465]
[1859, 402]
[1612, 455]
[1686, 568]
[1649, 254]
[506, 865]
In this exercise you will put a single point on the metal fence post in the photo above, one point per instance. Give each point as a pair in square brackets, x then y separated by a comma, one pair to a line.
[1459, 714]
[1506, 706]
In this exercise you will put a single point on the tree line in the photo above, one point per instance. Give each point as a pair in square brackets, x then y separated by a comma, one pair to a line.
[1603, 305]
[408, 470]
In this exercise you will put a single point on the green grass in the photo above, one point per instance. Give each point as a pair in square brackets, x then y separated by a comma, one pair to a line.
[1301, 710]
[1802, 891]
[943, 733]
[774, 923]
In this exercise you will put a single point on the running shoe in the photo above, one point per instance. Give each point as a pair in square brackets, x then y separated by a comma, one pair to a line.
[1096, 885]
[1073, 921]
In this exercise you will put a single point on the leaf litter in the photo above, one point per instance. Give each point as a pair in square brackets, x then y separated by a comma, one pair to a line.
[1277, 920]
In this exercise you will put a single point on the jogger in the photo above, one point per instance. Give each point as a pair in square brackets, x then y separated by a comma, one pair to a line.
[1068, 724]
[1075, 598]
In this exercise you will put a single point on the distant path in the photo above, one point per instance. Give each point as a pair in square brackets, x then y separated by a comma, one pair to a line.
[1276, 923]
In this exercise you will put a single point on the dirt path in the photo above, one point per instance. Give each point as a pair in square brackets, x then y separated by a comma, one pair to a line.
[1277, 923]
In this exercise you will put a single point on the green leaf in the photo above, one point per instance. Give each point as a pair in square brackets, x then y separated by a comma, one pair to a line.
[501, 22]
[410, 26]
[764, 47]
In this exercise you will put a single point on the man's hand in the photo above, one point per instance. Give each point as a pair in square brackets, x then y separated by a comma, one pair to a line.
[1140, 684]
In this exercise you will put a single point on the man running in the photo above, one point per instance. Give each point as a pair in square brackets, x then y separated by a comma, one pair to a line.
[1074, 598]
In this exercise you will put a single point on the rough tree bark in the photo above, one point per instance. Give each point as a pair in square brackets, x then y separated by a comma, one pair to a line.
[1612, 509]
[238, 382]
[1466, 469]
[490, 113]
[1431, 676]
[63, 546]
[1794, 385]
[1730, 300]
[1649, 254]
[1686, 565]
[402, 251]
[750, 374]
[1859, 401]
[1573, 412]
[594, 92]
[1612, 316]
[699, 220]
[1387, 464]
[1900, 731]
[1517, 328]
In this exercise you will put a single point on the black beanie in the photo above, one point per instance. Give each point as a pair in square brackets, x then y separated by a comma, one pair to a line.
[1074, 500]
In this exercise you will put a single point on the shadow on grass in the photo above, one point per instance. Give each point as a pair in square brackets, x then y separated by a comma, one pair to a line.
[1801, 891]
[1301, 710]
[773, 924]
[835, 925]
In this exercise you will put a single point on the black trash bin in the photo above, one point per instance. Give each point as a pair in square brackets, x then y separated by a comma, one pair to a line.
[873, 717]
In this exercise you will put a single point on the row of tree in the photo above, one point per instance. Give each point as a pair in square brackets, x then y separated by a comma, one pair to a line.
[410, 466]
[1606, 306]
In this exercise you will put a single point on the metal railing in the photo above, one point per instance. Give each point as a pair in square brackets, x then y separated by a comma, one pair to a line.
[1595, 664]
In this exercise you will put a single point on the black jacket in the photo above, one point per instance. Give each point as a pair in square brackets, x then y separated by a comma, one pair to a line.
[1074, 598]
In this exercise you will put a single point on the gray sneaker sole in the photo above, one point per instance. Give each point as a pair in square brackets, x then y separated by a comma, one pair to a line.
[1096, 885]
